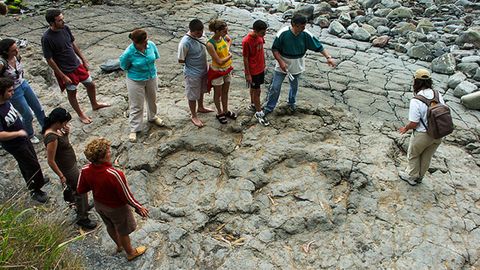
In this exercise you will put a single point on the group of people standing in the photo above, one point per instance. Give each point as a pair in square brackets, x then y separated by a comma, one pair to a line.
[111, 194]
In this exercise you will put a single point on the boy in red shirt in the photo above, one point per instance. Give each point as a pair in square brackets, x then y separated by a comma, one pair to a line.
[254, 62]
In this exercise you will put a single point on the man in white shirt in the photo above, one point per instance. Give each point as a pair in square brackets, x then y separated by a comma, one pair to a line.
[422, 146]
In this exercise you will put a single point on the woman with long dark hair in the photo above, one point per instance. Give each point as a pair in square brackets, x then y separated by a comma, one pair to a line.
[24, 98]
[63, 161]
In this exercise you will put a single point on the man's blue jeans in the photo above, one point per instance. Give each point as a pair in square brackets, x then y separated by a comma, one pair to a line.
[23, 99]
[276, 87]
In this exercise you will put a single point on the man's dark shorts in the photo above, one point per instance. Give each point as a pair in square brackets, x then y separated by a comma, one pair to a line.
[257, 80]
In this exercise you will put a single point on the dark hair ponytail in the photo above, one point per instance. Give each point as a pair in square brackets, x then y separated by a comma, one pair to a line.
[58, 115]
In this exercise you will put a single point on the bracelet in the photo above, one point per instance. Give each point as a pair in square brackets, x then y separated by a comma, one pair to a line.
[330, 57]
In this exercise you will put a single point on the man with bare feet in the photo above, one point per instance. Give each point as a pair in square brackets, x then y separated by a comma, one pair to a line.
[62, 55]
[192, 52]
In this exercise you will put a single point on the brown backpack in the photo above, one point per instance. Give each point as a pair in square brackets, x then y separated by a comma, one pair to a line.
[440, 122]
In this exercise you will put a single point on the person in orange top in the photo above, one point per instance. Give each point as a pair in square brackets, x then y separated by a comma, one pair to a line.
[111, 195]
[219, 49]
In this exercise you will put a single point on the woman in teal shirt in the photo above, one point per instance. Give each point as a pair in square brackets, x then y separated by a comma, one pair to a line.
[138, 60]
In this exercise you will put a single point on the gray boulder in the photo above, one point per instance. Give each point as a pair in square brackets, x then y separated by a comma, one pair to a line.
[377, 21]
[476, 77]
[444, 64]
[370, 29]
[305, 10]
[361, 34]
[345, 18]
[321, 21]
[430, 11]
[456, 79]
[382, 30]
[369, 3]
[471, 59]
[336, 28]
[352, 27]
[472, 35]
[464, 88]
[420, 51]
[110, 65]
[382, 12]
[391, 4]
[323, 8]
[471, 101]
[284, 5]
[424, 26]
[468, 68]
[400, 13]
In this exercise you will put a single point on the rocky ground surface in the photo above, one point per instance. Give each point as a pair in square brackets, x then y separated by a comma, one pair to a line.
[318, 189]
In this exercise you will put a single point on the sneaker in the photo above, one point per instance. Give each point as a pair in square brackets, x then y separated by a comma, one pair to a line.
[34, 140]
[158, 121]
[132, 137]
[410, 180]
[39, 196]
[262, 119]
[252, 108]
[87, 224]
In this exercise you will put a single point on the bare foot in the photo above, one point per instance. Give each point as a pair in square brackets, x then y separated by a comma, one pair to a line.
[85, 119]
[197, 122]
[205, 110]
[98, 106]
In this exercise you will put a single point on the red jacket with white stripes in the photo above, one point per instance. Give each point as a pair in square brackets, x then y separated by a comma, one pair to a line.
[108, 185]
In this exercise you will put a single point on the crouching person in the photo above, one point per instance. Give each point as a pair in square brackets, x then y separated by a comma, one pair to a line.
[111, 195]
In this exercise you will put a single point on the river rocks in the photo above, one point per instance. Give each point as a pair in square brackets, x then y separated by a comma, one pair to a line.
[468, 68]
[464, 88]
[361, 34]
[477, 75]
[444, 64]
[424, 26]
[456, 79]
[305, 10]
[420, 51]
[400, 13]
[381, 41]
[336, 28]
[472, 100]
[322, 21]
[472, 35]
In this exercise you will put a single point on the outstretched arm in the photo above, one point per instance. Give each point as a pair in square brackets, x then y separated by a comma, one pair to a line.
[330, 60]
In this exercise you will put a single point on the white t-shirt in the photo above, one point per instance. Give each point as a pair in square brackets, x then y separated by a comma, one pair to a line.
[419, 109]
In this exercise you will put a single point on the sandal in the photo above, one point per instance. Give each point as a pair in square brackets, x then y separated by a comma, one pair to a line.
[138, 252]
[231, 115]
[221, 118]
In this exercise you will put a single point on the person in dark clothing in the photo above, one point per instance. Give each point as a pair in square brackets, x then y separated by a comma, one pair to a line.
[14, 140]
[63, 161]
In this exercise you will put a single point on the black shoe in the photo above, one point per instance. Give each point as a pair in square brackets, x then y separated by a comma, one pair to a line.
[39, 196]
[87, 224]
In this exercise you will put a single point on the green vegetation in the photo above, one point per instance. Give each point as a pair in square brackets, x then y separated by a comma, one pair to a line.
[33, 238]
[15, 6]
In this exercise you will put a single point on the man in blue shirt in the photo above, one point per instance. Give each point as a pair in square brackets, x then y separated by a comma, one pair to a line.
[192, 52]
[289, 48]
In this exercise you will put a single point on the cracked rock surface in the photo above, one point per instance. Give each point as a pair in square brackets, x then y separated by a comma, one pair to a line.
[318, 189]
